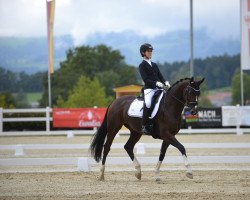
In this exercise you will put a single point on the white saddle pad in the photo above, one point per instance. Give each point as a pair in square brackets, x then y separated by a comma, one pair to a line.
[136, 108]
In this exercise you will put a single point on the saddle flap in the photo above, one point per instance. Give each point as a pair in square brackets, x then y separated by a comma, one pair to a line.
[136, 107]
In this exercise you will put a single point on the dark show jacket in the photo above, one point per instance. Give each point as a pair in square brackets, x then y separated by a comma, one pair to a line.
[150, 74]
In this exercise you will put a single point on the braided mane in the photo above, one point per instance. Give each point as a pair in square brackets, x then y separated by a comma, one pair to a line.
[177, 82]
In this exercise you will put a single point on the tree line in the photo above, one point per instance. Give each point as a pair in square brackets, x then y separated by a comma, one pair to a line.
[88, 75]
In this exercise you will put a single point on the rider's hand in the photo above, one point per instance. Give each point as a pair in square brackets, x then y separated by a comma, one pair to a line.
[167, 84]
[159, 84]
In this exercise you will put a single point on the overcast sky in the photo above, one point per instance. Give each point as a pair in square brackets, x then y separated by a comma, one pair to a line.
[146, 17]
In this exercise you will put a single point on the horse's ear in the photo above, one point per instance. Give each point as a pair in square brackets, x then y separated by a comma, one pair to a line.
[201, 81]
[192, 80]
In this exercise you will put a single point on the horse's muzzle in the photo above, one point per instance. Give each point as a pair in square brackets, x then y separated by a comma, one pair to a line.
[194, 110]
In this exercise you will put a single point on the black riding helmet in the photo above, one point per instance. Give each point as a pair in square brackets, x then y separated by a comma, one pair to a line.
[145, 47]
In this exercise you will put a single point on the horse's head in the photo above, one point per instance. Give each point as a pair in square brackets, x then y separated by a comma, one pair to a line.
[191, 94]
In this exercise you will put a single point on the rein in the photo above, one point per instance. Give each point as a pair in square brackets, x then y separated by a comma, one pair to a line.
[183, 103]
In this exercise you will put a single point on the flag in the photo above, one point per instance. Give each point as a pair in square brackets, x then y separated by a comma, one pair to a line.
[245, 34]
[50, 27]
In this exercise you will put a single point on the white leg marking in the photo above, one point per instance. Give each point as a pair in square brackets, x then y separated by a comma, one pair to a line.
[102, 173]
[157, 171]
[138, 168]
[189, 173]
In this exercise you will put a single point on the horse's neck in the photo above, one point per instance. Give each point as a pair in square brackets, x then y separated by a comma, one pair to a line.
[176, 97]
[179, 91]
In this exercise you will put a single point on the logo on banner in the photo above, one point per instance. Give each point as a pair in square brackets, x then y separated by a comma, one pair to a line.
[89, 119]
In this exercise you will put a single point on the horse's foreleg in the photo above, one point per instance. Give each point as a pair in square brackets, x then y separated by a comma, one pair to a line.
[189, 173]
[164, 147]
[129, 147]
[137, 168]
[182, 149]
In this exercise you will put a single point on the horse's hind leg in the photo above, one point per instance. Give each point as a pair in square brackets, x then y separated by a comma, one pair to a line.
[129, 147]
[164, 147]
[107, 145]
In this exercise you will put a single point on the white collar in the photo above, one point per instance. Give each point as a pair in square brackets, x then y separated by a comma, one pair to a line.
[148, 61]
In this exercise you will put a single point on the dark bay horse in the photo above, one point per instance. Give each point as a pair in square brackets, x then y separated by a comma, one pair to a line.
[167, 124]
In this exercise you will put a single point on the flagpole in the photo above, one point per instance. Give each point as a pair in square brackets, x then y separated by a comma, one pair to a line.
[191, 40]
[241, 75]
[49, 89]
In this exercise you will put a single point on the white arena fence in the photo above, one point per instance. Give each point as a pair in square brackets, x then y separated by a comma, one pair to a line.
[47, 119]
[85, 163]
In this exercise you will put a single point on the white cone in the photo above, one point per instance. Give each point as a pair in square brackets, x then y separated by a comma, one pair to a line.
[70, 134]
[140, 148]
[83, 165]
[19, 150]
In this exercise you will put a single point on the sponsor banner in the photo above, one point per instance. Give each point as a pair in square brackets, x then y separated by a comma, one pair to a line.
[245, 115]
[235, 115]
[190, 118]
[206, 117]
[78, 117]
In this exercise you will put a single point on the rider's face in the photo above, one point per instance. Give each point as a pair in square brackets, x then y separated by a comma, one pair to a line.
[148, 54]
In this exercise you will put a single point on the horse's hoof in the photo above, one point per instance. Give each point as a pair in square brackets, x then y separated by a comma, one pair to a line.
[138, 175]
[189, 175]
[158, 179]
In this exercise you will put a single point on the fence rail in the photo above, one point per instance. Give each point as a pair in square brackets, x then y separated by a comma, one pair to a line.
[47, 119]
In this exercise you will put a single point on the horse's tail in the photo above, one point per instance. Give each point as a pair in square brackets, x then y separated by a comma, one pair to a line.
[96, 146]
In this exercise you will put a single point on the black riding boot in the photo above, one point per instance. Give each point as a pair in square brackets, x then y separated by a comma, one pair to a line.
[147, 125]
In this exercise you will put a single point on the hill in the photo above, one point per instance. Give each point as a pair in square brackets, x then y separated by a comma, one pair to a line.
[30, 54]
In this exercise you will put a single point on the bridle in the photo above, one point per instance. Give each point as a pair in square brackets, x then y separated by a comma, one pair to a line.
[192, 104]
[187, 103]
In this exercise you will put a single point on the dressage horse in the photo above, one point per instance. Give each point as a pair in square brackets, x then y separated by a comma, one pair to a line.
[167, 123]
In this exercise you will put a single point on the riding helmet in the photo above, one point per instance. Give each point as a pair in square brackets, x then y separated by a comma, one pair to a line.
[145, 47]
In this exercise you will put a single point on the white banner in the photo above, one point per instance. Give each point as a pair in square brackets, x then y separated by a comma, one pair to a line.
[245, 34]
[235, 115]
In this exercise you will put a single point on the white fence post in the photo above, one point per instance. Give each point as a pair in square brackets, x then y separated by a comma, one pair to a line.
[1, 120]
[47, 119]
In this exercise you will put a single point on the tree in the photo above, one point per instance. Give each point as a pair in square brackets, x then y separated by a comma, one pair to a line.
[8, 81]
[236, 89]
[86, 93]
[7, 100]
[99, 61]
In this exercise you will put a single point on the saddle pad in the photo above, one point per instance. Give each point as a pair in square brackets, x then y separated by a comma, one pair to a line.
[136, 108]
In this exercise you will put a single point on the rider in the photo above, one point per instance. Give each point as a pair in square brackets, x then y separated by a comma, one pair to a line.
[153, 80]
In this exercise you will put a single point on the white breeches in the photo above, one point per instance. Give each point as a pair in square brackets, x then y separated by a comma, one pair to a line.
[148, 94]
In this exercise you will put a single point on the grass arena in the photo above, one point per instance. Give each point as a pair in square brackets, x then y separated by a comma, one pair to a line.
[227, 180]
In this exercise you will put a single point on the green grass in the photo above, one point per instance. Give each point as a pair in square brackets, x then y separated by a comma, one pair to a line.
[34, 96]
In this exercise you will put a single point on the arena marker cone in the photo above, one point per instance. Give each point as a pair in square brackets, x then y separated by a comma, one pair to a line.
[83, 165]
[140, 148]
[19, 150]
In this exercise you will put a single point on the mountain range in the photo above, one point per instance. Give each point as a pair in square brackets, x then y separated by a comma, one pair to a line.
[29, 54]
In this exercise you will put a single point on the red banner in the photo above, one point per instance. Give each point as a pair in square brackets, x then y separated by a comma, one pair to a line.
[78, 117]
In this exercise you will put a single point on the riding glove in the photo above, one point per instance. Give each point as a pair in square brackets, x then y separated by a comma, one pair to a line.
[167, 84]
[159, 84]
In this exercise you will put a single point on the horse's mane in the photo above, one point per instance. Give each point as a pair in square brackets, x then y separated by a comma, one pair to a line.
[177, 82]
